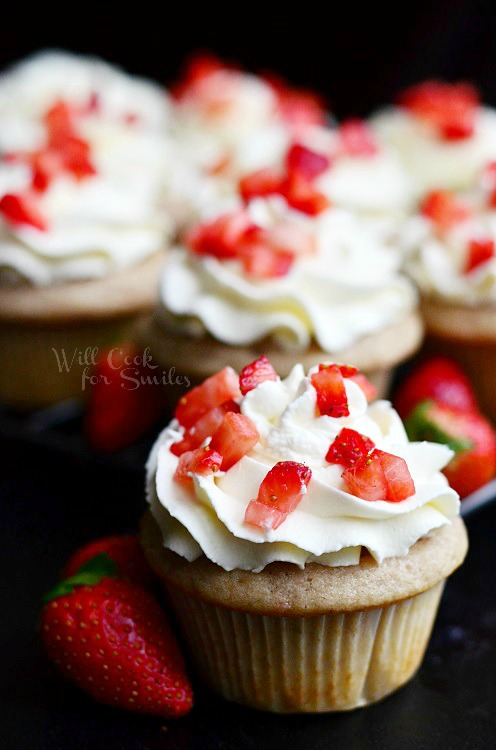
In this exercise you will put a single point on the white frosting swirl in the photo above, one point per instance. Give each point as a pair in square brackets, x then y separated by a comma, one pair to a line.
[432, 162]
[329, 525]
[437, 262]
[349, 288]
[104, 222]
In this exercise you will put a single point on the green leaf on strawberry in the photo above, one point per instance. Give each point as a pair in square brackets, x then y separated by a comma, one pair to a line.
[430, 422]
[92, 572]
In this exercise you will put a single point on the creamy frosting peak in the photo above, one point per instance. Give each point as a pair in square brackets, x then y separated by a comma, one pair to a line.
[329, 525]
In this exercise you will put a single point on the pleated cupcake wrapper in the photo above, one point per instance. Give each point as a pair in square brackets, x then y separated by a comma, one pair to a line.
[30, 375]
[330, 662]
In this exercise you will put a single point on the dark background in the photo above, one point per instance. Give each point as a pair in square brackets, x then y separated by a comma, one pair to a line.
[358, 54]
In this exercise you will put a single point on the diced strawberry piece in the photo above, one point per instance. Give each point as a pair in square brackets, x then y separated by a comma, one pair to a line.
[220, 237]
[255, 373]
[198, 67]
[279, 494]
[356, 138]
[349, 447]
[468, 433]
[450, 108]
[347, 371]
[202, 461]
[301, 195]
[59, 123]
[205, 427]
[380, 476]
[444, 209]
[234, 438]
[20, 209]
[259, 184]
[76, 158]
[367, 387]
[439, 379]
[479, 251]
[305, 162]
[214, 391]
[298, 107]
[260, 258]
[331, 392]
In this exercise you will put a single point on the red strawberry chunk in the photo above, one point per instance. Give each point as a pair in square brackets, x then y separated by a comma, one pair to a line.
[332, 400]
[356, 138]
[479, 251]
[367, 387]
[260, 258]
[59, 123]
[220, 237]
[299, 107]
[76, 157]
[20, 209]
[234, 438]
[349, 447]
[301, 195]
[260, 184]
[305, 162]
[203, 428]
[202, 461]
[214, 391]
[380, 476]
[450, 108]
[255, 373]
[46, 165]
[279, 494]
[444, 209]
[198, 68]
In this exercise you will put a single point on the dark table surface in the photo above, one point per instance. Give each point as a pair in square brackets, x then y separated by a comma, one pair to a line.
[55, 496]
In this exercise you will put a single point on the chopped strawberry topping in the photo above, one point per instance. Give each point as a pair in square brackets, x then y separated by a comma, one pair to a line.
[220, 237]
[21, 209]
[279, 494]
[332, 400]
[299, 107]
[203, 428]
[305, 162]
[301, 195]
[214, 391]
[260, 258]
[255, 373]
[380, 476]
[234, 438]
[59, 124]
[260, 184]
[198, 68]
[451, 109]
[444, 209]
[479, 251]
[201, 461]
[367, 387]
[356, 138]
[349, 447]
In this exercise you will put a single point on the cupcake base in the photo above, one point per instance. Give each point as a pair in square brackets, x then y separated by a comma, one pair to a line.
[313, 640]
[197, 358]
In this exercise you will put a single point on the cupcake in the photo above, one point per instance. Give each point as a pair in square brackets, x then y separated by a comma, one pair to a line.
[302, 540]
[441, 132]
[453, 262]
[83, 225]
[284, 274]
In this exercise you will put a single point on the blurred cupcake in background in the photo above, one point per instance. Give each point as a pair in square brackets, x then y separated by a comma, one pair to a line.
[441, 132]
[83, 219]
[452, 246]
[284, 273]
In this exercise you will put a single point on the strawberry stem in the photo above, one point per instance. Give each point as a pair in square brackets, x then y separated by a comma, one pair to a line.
[89, 574]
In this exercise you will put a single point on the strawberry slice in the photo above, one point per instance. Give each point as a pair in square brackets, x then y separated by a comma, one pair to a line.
[349, 447]
[20, 209]
[356, 138]
[46, 165]
[332, 400]
[261, 258]
[279, 494]
[76, 158]
[255, 373]
[59, 123]
[479, 251]
[444, 209]
[220, 237]
[260, 184]
[380, 476]
[439, 379]
[367, 387]
[468, 433]
[203, 428]
[234, 438]
[214, 391]
[303, 161]
[202, 461]
[301, 195]
[451, 109]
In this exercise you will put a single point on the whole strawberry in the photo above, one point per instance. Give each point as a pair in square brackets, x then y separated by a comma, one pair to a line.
[124, 550]
[112, 639]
